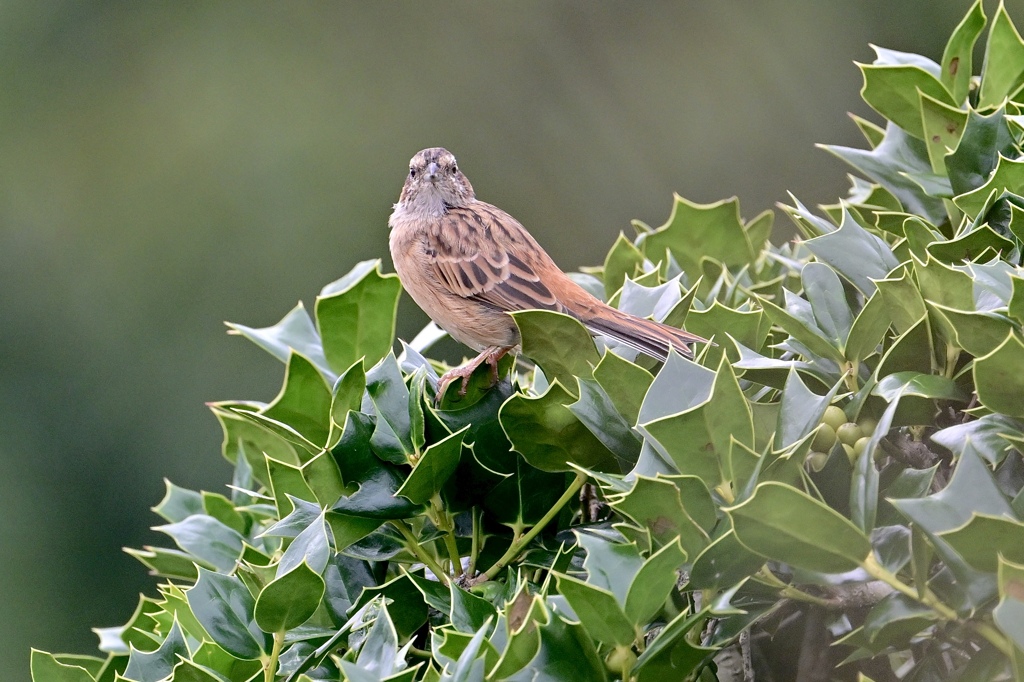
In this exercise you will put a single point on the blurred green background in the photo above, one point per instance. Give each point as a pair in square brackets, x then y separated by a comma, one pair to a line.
[166, 166]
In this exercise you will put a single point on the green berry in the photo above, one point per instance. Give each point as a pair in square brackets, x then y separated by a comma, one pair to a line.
[488, 590]
[849, 433]
[620, 658]
[824, 438]
[860, 445]
[850, 454]
[816, 460]
[834, 416]
[868, 425]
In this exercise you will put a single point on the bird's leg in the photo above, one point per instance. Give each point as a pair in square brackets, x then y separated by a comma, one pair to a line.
[491, 355]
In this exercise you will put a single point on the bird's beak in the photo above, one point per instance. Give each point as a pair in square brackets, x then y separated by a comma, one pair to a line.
[432, 170]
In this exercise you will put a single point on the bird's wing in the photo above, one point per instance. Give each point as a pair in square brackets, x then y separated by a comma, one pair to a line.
[479, 252]
[482, 253]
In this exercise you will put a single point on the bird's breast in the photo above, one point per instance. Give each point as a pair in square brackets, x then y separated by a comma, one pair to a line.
[467, 320]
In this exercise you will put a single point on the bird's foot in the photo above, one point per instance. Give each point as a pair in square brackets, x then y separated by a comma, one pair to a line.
[489, 355]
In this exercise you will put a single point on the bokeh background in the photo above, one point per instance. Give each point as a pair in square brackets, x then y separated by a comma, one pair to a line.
[165, 166]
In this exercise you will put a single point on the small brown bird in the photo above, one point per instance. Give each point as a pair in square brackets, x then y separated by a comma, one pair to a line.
[468, 263]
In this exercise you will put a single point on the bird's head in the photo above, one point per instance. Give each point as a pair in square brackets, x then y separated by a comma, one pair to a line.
[434, 183]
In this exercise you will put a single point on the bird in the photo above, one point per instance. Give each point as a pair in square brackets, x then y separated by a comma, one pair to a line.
[468, 264]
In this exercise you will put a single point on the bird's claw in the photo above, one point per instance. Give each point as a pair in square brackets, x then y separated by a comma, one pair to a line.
[491, 356]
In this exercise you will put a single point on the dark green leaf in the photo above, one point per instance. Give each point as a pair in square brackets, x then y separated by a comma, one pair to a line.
[345, 578]
[724, 563]
[998, 379]
[469, 612]
[221, 508]
[304, 402]
[190, 671]
[749, 327]
[565, 654]
[895, 619]
[920, 385]
[1009, 613]
[797, 319]
[598, 610]
[417, 394]
[546, 432]
[470, 663]
[392, 438]
[611, 566]
[1015, 307]
[784, 524]
[653, 583]
[801, 411]
[887, 164]
[992, 436]
[694, 427]
[46, 668]
[524, 496]
[622, 261]
[971, 490]
[347, 395]
[871, 131]
[355, 316]
[244, 438]
[169, 563]
[827, 297]
[943, 284]
[175, 605]
[224, 607]
[377, 499]
[377, 481]
[400, 590]
[892, 90]
[957, 57]
[868, 329]
[295, 332]
[379, 652]
[289, 600]
[324, 478]
[972, 246]
[309, 547]
[1003, 70]
[658, 505]
[1008, 176]
[985, 138]
[864, 488]
[943, 127]
[287, 482]
[306, 448]
[207, 539]
[625, 383]
[892, 547]
[434, 468]
[855, 253]
[559, 344]
[985, 538]
[179, 503]
[671, 656]
[597, 412]
[695, 230]
[912, 351]
[902, 301]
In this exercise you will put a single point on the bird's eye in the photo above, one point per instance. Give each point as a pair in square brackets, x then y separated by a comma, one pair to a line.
[455, 169]
[412, 172]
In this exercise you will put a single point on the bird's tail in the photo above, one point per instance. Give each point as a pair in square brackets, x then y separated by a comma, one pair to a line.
[647, 336]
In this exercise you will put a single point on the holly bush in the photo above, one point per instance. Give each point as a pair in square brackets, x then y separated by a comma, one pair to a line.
[832, 491]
